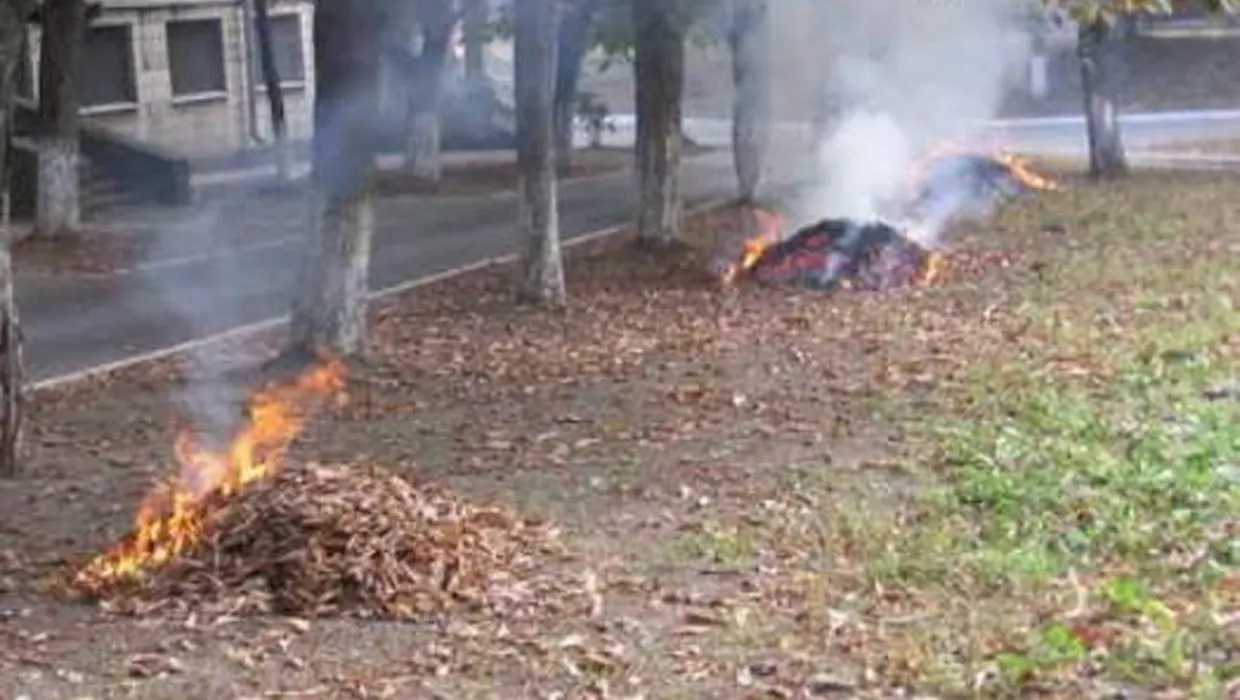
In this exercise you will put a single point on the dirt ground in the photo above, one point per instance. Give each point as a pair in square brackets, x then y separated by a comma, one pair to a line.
[762, 492]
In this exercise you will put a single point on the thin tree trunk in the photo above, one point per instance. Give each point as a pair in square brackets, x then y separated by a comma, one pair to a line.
[749, 40]
[475, 38]
[13, 16]
[572, 38]
[58, 205]
[659, 66]
[1095, 43]
[275, 93]
[542, 280]
[329, 309]
[423, 145]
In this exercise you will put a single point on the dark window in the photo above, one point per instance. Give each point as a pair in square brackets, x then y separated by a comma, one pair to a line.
[106, 73]
[286, 45]
[196, 57]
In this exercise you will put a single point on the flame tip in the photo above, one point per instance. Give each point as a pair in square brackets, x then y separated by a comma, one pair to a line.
[173, 515]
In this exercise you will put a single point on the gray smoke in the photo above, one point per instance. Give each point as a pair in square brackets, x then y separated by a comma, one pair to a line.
[897, 76]
[222, 258]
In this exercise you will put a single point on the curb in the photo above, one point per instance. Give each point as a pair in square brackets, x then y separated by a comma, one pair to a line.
[276, 322]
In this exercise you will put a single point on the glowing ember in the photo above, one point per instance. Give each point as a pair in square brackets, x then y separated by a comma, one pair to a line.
[172, 516]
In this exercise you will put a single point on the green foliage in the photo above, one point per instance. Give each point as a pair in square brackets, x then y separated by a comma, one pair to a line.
[613, 29]
[1091, 11]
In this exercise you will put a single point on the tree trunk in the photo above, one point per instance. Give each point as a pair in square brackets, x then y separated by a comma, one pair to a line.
[57, 208]
[475, 39]
[422, 147]
[329, 309]
[749, 40]
[572, 38]
[542, 278]
[1095, 44]
[659, 67]
[13, 16]
[275, 93]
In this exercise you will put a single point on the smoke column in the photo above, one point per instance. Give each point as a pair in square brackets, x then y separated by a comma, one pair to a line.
[897, 77]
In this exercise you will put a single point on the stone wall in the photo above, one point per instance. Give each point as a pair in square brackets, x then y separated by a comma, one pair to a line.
[196, 125]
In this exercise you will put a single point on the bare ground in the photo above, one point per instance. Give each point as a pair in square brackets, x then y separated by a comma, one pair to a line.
[741, 478]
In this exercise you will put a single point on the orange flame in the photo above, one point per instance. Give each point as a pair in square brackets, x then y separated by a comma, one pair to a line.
[935, 264]
[770, 227]
[172, 516]
[1018, 167]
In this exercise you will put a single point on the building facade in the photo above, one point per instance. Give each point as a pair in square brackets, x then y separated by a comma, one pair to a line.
[183, 74]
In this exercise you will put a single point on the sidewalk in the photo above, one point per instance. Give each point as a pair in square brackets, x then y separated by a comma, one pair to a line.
[301, 167]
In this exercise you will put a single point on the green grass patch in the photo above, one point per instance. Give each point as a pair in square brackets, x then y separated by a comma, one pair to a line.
[1081, 525]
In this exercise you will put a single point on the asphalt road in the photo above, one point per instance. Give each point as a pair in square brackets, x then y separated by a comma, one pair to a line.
[75, 323]
[1041, 134]
[72, 323]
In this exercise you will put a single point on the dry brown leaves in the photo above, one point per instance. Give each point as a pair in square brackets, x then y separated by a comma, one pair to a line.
[96, 252]
[627, 310]
[356, 541]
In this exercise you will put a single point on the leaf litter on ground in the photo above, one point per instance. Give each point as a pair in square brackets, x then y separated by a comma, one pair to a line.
[320, 541]
[752, 399]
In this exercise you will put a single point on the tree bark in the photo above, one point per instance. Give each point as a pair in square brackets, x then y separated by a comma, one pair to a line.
[542, 279]
[749, 41]
[13, 16]
[475, 38]
[572, 39]
[422, 147]
[329, 307]
[1095, 44]
[275, 93]
[658, 66]
[58, 202]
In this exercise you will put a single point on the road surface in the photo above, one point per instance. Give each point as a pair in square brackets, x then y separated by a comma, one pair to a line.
[75, 323]
[1050, 135]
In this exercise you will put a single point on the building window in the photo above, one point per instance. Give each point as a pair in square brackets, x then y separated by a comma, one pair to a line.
[286, 46]
[196, 57]
[106, 74]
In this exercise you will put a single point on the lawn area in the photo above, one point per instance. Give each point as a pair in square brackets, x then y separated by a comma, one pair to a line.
[1202, 147]
[1020, 481]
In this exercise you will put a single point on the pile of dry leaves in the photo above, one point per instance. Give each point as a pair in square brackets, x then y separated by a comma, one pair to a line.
[357, 541]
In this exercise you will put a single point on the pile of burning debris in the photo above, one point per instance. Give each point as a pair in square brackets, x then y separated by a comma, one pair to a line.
[236, 532]
[879, 254]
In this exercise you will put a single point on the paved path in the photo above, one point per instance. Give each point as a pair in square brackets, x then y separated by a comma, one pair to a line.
[74, 323]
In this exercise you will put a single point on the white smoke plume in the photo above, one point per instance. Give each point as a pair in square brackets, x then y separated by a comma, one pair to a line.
[899, 76]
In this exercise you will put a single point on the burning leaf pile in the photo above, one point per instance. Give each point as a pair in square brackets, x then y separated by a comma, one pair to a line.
[171, 517]
[236, 531]
[871, 255]
[878, 254]
[954, 181]
[357, 541]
